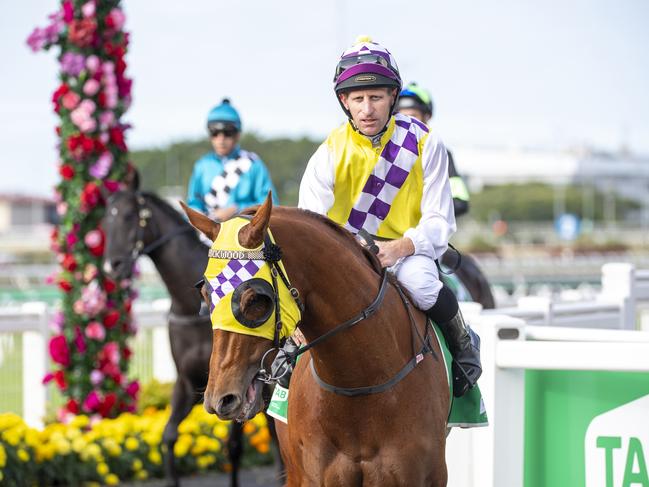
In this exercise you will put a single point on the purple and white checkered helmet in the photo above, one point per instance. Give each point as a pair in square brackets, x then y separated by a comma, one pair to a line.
[366, 65]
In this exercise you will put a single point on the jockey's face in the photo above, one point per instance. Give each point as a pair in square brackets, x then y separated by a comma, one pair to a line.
[370, 108]
[224, 142]
[418, 114]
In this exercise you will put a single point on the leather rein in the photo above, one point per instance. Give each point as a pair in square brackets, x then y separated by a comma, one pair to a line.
[272, 254]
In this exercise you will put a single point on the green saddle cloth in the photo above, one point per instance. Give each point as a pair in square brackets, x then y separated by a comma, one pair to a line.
[467, 411]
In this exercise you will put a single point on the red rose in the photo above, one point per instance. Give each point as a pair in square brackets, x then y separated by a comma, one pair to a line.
[127, 353]
[82, 32]
[109, 285]
[69, 263]
[107, 404]
[59, 378]
[111, 318]
[90, 197]
[72, 406]
[56, 96]
[117, 137]
[65, 285]
[59, 350]
[120, 67]
[112, 185]
[132, 389]
[66, 171]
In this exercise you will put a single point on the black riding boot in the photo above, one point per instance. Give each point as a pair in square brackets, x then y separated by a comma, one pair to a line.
[281, 364]
[462, 341]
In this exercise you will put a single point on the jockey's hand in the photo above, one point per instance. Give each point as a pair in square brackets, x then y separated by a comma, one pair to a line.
[391, 252]
[223, 214]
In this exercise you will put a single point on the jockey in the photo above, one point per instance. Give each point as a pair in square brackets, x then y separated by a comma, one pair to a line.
[387, 174]
[228, 179]
[417, 102]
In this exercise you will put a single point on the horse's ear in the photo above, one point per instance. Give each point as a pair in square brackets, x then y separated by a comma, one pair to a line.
[251, 236]
[200, 222]
[132, 179]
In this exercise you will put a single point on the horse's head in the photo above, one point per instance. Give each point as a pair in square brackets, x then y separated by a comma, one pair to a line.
[123, 228]
[242, 295]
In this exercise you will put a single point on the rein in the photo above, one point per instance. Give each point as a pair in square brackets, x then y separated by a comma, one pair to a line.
[272, 253]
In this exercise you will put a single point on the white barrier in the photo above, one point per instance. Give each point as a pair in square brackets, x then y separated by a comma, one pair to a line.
[510, 349]
[31, 321]
[624, 293]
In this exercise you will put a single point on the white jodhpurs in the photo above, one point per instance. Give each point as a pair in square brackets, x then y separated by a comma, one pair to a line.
[418, 275]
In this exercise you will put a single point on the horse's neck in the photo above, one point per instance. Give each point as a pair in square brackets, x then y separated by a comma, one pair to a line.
[179, 261]
[339, 285]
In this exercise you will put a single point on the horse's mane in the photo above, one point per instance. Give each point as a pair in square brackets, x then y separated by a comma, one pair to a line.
[344, 235]
[166, 208]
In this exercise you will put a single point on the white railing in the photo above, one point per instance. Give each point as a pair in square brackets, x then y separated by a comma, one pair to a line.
[494, 456]
[27, 326]
[625, 291]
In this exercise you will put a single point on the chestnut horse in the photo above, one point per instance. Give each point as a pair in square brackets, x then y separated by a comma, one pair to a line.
[393, 437]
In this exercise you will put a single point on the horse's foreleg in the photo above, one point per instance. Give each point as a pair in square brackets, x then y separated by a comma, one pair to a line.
[235, 450]
[182, 401]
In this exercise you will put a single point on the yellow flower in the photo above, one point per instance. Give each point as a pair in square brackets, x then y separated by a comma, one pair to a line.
[23, 455]
[220, 431]
[141, 475]
[80, 421]
[111, 479]
[102, 469]
[3, 456]
[137, 465]
[205, 461]
[155, 457]
[11, 436]
[79, 444]
[131, 443]
[62, 446]
[181, 448]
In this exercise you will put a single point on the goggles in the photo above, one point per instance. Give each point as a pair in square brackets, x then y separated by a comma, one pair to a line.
[348, 62]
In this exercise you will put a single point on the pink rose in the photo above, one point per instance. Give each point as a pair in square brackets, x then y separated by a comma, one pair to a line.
[95, 331]
[88, 9]
[96, 377]
[70, 100]
[91, 87]
[133, 388]
[93, 238]
[79, 340]
[118, 18]
[92, 63]
[59, 350]
[92, 401]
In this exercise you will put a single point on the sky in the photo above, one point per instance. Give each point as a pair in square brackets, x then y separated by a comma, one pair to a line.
[513, 73]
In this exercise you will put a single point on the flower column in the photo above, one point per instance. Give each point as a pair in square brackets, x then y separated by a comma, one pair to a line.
[89, 346]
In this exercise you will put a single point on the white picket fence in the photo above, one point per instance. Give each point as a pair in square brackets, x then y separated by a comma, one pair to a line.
[624, 297]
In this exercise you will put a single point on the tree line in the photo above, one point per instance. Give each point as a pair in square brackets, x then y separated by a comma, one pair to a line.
[286, 160]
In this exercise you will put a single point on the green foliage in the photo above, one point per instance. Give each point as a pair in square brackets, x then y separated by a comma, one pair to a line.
[172, 166]
[155, 394]
[535, 202]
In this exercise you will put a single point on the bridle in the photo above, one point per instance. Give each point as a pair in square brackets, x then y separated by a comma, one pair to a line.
[272, 254]
[144, 215]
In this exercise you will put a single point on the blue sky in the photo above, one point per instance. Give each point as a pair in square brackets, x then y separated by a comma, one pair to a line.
[550, 74]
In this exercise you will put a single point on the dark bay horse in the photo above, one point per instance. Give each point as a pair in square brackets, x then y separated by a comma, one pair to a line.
[471, 276]
[142, 223]
[395, 437]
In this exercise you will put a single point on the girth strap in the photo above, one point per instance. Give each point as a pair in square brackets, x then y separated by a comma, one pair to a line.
[364, 391]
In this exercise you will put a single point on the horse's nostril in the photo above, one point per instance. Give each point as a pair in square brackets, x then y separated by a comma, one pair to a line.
[227, 404]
